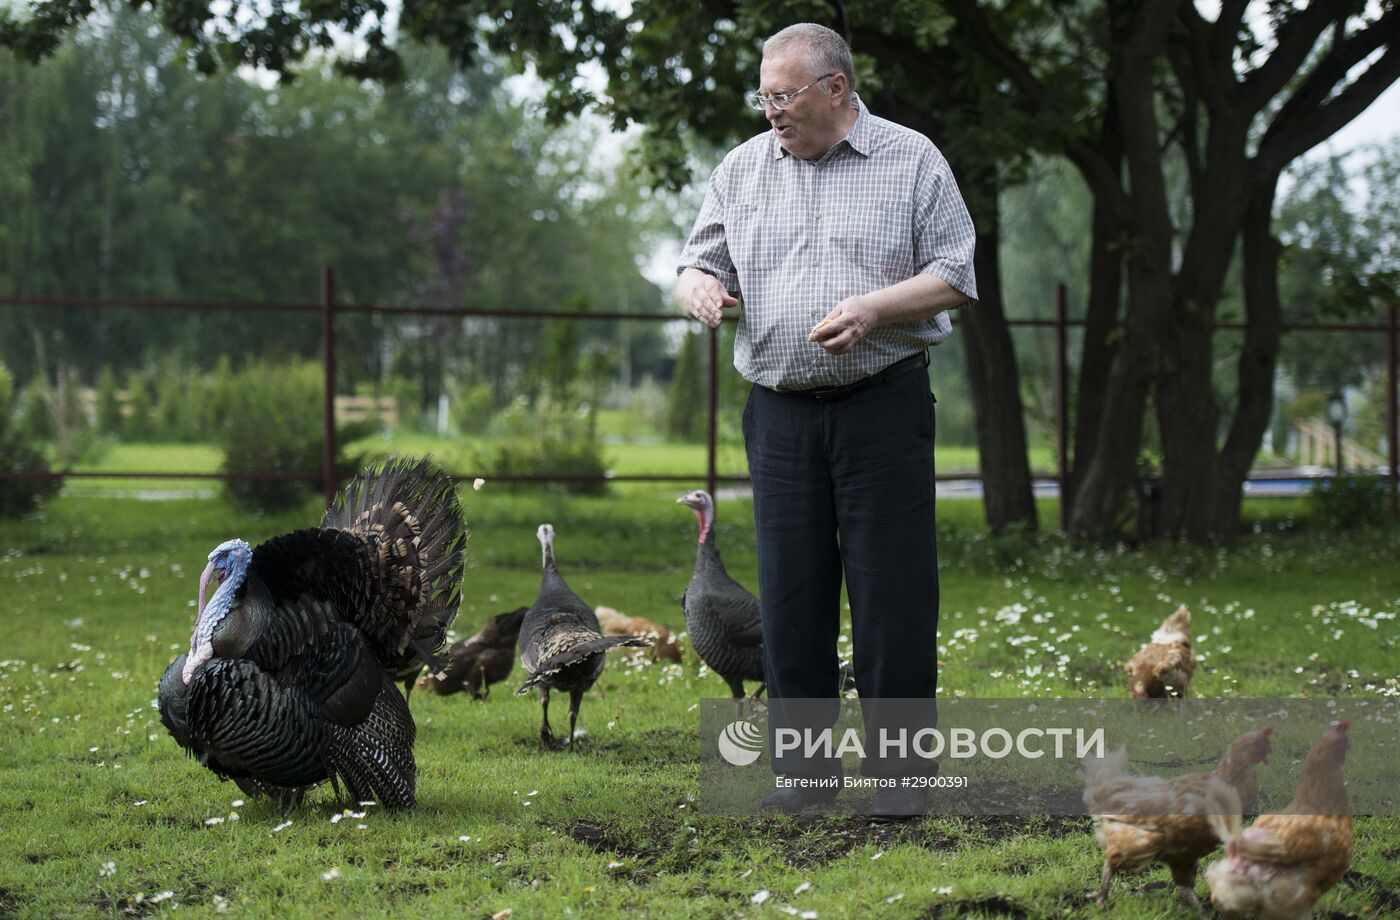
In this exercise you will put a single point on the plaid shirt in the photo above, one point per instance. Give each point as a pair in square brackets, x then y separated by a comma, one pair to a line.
[795, 237]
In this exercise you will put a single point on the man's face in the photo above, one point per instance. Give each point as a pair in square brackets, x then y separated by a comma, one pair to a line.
[810, 125]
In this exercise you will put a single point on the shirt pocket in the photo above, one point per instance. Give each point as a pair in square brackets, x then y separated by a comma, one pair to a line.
[756, 238]
[878, 236]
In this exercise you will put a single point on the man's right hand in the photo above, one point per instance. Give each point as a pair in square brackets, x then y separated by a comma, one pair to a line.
[701, 296]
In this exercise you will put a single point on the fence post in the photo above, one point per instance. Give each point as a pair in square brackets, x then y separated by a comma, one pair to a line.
[328, 359]
[710, 474]
[1062, 403]
[1392, 441]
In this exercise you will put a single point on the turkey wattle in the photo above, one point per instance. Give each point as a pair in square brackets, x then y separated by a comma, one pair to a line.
[721, 615]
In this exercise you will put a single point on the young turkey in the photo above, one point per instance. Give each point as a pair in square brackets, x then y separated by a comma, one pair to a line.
[289, 680]
[561, 646]
[721, 616]
[475, 663]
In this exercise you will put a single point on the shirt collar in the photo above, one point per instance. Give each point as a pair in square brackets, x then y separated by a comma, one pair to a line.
[858, 139]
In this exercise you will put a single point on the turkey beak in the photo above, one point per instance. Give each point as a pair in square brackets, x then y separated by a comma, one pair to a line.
[203, 585]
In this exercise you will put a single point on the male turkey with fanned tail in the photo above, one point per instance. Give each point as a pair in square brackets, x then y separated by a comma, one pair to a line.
[290, 676]
[561, 646]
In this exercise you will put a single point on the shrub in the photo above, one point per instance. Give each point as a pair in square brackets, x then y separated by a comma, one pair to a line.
[1350, 501]
[548, 456]
[273, 424]
[547, 439]
[109, 404]
[472, 407]
[20, 496]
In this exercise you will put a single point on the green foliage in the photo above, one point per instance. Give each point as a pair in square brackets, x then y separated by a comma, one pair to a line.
[140, 420]
[685, 406]
[7, 395]
[552, 455]
[176, 410]
[473, 406]
[1350, 502]
[19, 453]
[274, 425]
[35, 416]
[543, 438]
[109, 404]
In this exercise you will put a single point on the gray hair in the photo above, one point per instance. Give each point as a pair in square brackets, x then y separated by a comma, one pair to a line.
[822, 50]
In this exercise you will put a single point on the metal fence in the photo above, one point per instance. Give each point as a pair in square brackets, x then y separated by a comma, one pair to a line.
[328, 310]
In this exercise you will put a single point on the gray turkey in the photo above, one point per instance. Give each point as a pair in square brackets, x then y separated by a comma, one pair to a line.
[721, 616]
[289, 680]
[561, 646]
[474, 663]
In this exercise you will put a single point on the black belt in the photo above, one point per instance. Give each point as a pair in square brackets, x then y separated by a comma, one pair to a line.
[832, 394]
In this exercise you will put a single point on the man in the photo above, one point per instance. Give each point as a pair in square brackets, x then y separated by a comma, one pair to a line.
[847, 237]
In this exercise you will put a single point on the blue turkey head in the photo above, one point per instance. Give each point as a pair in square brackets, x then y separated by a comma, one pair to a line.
[228, 565]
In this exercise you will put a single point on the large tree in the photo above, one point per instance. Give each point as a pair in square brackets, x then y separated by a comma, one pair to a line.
[1235, 100]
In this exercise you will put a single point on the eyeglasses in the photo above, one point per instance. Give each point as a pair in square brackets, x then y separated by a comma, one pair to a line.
[780, 101]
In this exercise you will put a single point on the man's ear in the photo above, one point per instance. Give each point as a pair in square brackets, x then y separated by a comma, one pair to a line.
[836, 86]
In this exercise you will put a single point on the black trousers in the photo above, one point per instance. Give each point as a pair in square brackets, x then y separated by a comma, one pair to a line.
[845, 486]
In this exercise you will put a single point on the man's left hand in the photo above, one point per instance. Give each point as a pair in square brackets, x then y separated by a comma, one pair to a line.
[840, 330]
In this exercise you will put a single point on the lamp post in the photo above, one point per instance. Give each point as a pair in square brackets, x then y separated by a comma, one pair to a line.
[1337, 415]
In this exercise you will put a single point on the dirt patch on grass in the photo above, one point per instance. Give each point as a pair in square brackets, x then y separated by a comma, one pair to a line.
[610, 839]
[821, 840]
[995, 906]
[9, 904]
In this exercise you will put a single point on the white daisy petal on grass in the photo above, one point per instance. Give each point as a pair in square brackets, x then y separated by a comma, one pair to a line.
[108, 869]
[210, 822]
[805, 886]
[282, 827]
[477, 484]
[220, 903]
[758, 897]
[331, 874]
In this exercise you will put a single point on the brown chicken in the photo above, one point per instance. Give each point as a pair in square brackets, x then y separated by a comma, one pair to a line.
[1141, 820]
[1163, 667]
[664, 644]
[1278, 867]
[475, 663]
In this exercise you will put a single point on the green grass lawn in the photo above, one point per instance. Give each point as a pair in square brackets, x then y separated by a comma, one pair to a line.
[101, 813]
[648, 456]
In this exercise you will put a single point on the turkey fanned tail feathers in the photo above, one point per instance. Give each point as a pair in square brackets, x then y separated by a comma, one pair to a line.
[409, 513]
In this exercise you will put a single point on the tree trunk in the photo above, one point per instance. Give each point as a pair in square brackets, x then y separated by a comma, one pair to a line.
[994, 378]
[1258, 361]
[1111, 474]
[1100, 318]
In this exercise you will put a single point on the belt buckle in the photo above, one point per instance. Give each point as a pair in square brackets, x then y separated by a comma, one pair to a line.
[822, 394]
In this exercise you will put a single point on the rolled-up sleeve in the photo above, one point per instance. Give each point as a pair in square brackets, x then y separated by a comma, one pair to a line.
[707, 248]
[944, 237]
